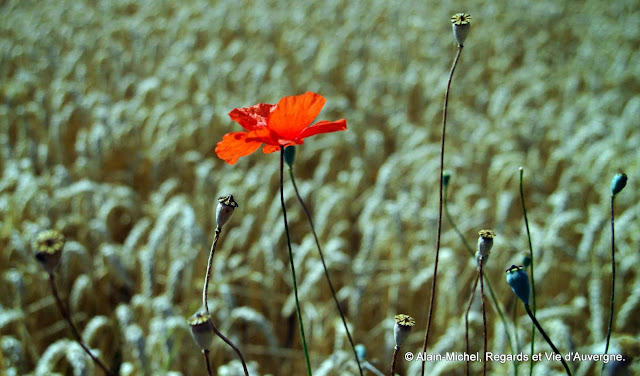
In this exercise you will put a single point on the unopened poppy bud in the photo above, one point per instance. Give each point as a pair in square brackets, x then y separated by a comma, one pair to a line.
[226, 205]
[403, 326]
[461, 25]
[290, 155]
[361, 351]
[201, 329]
[518, 279]
[618, 182]
[48, 245]
[485, 242]
[526, 259]
[446, 177]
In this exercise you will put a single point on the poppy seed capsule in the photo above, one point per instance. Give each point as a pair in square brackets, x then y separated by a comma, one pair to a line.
[461, 25]
[48, 245]
[485, 242]
[618, 182]
[226, 205]
[401, 330]
[201, 330]
[518, 279]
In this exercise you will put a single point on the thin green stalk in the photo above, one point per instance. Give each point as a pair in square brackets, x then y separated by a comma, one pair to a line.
[435, 265]
[74, 330]
[546, 337]
[206, 361]
[515, 327]
[326, 271]
[494, 299]
[466, 322]
[613, 281]
[484, 318]
[393, 362]
[293, 268]
[533, 281]
[205, 291]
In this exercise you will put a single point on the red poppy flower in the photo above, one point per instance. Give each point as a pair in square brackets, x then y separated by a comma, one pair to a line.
[276, 125]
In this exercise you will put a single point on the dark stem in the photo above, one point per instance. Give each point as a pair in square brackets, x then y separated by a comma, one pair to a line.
[393, 362]
[293, 268]
[206, 361]
[435, 266]
[613, 281]
[533, 280]
[326, 271]
[484, 318]
[74, 330]
[546, 338]
[466, 322]
[205, 291]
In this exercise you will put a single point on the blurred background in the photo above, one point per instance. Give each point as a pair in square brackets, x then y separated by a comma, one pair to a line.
[110, 113]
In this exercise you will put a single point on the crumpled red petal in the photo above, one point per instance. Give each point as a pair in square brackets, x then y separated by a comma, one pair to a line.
[252, 117]
[293, 114]
[235, 145]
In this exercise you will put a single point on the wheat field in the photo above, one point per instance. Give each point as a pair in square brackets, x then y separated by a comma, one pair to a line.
[110, 112]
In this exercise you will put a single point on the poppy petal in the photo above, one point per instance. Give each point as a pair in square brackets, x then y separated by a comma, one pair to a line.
[267, 149]
[324, 127]
[235, 145]
[293, 114]
[252, 117]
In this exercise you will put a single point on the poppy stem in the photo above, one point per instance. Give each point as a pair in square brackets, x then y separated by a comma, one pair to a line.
[206, 361]
[293, 268]
[484, 317]
[546, 337]
[533, 281]
[435, 266]
[205, 290]
[613, 282]
[74, 330]
[466, 322]
[393, 362]
[494, 300]
[326, 271]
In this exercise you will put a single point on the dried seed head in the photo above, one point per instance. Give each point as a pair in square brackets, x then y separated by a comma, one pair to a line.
[202, 329]
[461, 25]
[618, 182]
[518, 279]
[226, 205]
[485, 242]
[403, 326]
[48, 246]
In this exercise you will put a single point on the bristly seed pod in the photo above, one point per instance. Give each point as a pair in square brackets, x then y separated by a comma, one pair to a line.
[226, 205]
[48, 245]
[518, 279]
[485, 242]
[290, 155]
[201, 329]
[461, 25]
[403, 326]
[618, 183]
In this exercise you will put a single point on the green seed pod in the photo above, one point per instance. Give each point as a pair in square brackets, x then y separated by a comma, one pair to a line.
[48, 245]
[226, 205]
[461, 25]
[518, 279]
[201, 330]
[618, 182]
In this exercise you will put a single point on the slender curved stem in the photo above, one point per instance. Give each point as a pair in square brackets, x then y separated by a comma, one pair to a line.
[494, 299]
[533, 280]
[74, 330]
[546, 338]
[613, 281]
[206, 361]
[393, 362]
[326, 271]
[435, 265]
[205, 291]
[484, 318]
[293, 268]
[466, 322]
